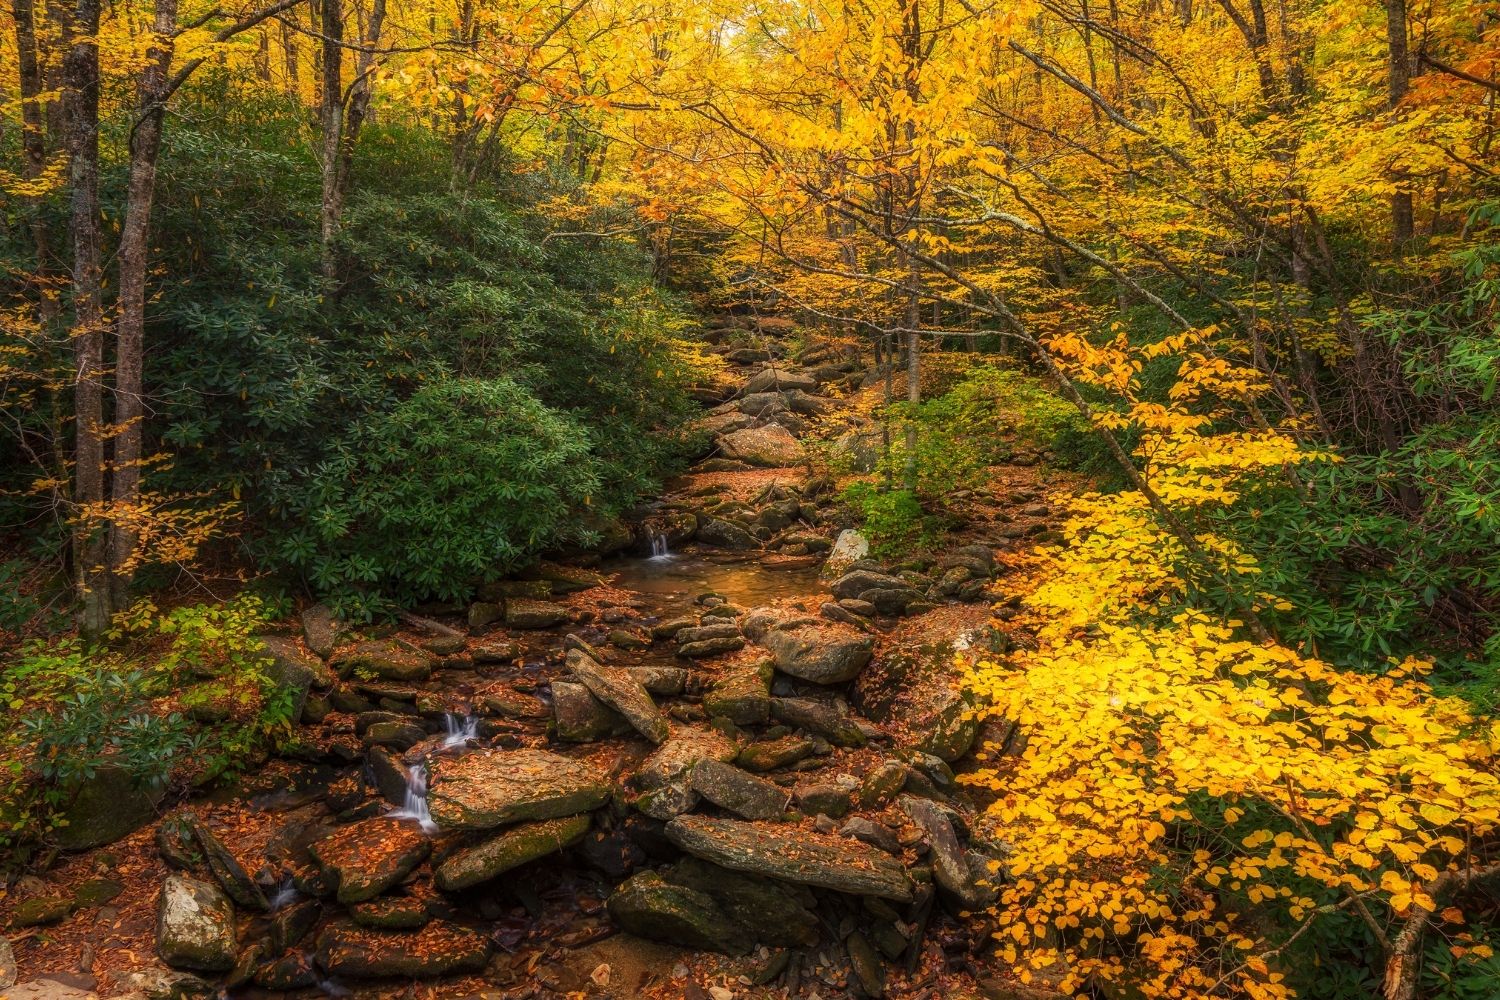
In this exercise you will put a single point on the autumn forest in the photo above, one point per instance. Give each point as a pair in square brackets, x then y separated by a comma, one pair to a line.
[783, 499]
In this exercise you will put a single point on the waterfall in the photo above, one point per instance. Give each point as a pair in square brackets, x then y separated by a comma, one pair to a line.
[659, 549]
[415, 806]
[459, 729]
[286, 894]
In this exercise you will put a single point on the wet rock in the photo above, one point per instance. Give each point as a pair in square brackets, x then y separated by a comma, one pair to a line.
[613, 852]
[623, 638]
[511, 849]
[742, 694]
[582, 718]
[837, 613]
[320, 630]
[524, 613]
[770, 912]
[675, 758]
[388, 659]
[566, 579]
[495, 651]
[439, 949]
[726, 535]
[858, 581]
[195, 925]
[732, 789]
[618, 689]
[289, 972]
[950, 868]
[770, 446]
[227, 870]
[875, 834]
[395, 735]
[824, 653]
[105, 807]
[772, 754]
[502, 702]
[669, 629]
[364, 859]
[391, 913]
[649, 906]
[711, 647]
[825, 717]
[706, 631]
[41, 911]
[489, 788]
[761, 622]
[290, 924]
[793, 855]
[848, 548]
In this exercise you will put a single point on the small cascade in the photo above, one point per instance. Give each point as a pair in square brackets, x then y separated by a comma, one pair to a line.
[659, 547]
[415, 806]
[459, 729]
[286, 894]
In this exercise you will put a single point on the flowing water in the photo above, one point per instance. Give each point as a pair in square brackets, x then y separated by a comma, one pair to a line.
[672, 581]
[459, 730]
[415, 806]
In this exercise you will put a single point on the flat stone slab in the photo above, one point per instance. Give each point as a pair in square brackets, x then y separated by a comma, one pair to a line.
[623, 691]
[511, 849]
[438, 949]
[195, 925]
[489, 788]
[771, 446]
[825, 653]
[365, 859]
[792, 854]
[387, 659]
[528, 613]
[740, 792]
[676, 757]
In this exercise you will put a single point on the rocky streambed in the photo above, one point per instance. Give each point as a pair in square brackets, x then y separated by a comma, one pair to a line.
[722, 769]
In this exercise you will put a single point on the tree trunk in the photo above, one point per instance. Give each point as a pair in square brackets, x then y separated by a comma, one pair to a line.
[81, 134]
[331, 113]
[135, 234]
[1398, 82]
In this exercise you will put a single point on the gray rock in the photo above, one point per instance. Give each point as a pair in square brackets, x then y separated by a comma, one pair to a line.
[675, 758]
[705, 648]
[321, 630]
[875, 834]
[743, 794]
[772, 754]
[761, 622]
[699, 633]
[866, 963]
[669, 629]
[833, 799]
[824, 653]
[391, 913]
[771, 913]
[726, 535]
[742, 694]
[621, 690]
[388, 659]
[489, 788]
[524, 613]
[771, 379]
[230, 874]
[825, 717]
[295, 670]
[582, 718]
[771, 446]
[511, 849]
[665, 681]
[396, 735]
[857, 581]
[949, 866]
[793, 855]
[649, 906]
[8, 970]
[848, 548]
[195, 925]
[364, 859]
[104, 808]
[666, 801]
[439, 949]
[482, 613]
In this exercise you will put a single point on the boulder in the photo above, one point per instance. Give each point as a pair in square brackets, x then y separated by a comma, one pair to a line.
[391, 913]
[320, 630]
[195, 925]
[792, 854]
[649, 906]
[364, 859]
[582, 718]
[621, 690]
[388, 659]
[825, 717]
[489, 788]
[105, 807]
[675, 758]
[742, 694]
[771, 446]
[439, 949]
[295, 670]
[824, 653]
[511, 849]
[771, 378]
[226, 868]
[665, 681]
[859, 581]
[848, 548]
[523, 613]
[726, 534]
[736, 791]
[772, 754]
[949, 866]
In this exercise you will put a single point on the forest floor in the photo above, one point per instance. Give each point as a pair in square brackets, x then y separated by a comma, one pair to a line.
[851, 757]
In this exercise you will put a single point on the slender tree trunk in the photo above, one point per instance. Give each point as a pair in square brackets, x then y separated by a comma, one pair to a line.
[332, 120]
[81, 133]
[33, 128]
[1398, 82]
[135, 234]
